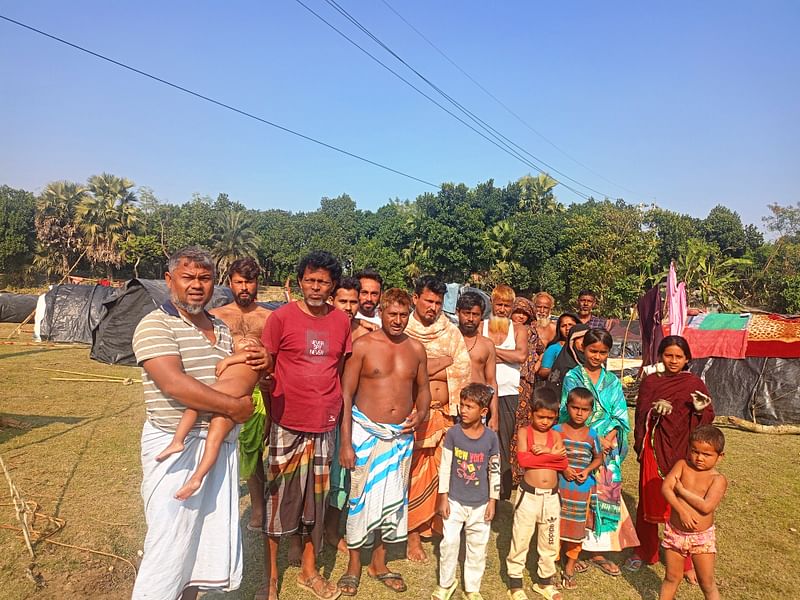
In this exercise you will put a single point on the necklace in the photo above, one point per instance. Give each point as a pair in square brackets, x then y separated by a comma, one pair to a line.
[473, 344]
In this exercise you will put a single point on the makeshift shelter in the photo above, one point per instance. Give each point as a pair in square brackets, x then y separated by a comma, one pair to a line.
[122, 311]
[15, 308]
[72, 312]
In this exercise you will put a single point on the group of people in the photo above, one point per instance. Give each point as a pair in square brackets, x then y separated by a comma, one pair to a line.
[368, 411]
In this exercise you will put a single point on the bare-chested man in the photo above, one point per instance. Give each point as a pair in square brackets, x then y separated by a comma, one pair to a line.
[246, 318]
[511, 345]
[470, 308]
[449, 370]
[386, 396]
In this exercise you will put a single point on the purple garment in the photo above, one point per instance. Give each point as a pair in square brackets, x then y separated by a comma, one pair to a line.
[676, 299]
[651, 313]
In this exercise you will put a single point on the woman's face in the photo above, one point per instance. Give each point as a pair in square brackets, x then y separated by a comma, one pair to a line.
[596, 354]
[519, 317]
[567, 323]
[674, 359]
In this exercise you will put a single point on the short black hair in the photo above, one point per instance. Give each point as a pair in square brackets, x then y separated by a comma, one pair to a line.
[480, 393]
[587, 293]
[710, 435]
[580, 393]
[469, 300]
[320, 259]
[432, 283]
[246, 267]
[348, 283]
[598, 335]
[370, 274]
[545, 397]
[680, 342]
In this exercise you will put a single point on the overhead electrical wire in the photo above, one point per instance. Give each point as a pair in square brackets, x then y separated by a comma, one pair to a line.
[216, 102]
[502, 104]
[497, 142]
[480, 122]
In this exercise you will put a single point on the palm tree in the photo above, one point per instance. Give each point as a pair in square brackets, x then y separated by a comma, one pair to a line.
[107, 219]
[499, 240]
[235, 239]
[58, 235]
[536, 194]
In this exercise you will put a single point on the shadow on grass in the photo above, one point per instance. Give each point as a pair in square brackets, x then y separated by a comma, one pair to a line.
[32, 351]
[645, 581]
[17, 424]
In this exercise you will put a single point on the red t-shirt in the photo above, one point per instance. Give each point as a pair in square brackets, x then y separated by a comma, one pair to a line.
[307, 350]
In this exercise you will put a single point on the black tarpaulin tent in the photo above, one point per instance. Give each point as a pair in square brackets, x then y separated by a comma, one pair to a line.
[72, 312]
[15, 308]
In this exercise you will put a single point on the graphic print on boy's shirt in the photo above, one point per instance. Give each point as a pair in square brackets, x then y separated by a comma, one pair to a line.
[468, 465]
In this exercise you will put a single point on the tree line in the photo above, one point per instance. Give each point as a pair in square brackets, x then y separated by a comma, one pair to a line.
[518, 234]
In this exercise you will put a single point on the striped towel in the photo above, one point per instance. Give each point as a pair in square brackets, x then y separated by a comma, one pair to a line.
[379, 482]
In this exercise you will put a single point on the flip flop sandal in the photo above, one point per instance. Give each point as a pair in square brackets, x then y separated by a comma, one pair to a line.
[633, 564]
[444, 593]
[349, 581]
[581, 566]
[603, 565]
[385, 578]
[517, 595]
[548, 591]
[309, 584]
[568, 582]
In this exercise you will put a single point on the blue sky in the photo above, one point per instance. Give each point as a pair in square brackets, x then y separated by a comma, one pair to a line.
[685, 104]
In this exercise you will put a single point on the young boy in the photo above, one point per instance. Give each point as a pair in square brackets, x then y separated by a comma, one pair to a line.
[469, 486]
[541, 453]
[694, 489]
[235, 378]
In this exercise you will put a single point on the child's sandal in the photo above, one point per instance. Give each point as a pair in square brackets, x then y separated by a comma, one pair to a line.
[568, 582]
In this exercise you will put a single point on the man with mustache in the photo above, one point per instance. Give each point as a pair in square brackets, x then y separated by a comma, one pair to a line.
[511, 347]
[369, 297]
[244, 317]
[470, 308]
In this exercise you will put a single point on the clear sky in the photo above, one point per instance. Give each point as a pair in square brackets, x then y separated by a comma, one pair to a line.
[686, 104]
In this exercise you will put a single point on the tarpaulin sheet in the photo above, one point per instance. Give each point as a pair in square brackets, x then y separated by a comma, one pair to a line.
[15, 308]
[72, 312]
[767, 389]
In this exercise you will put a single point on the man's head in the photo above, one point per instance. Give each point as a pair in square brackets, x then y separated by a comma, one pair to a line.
[502, 301]
[428, 297]
[395, 311]
[243, 281]
[318, 274]
[470, 308]
[542, 307]
[346, 296]
[370, 294]
[190, 279]
[587, 301]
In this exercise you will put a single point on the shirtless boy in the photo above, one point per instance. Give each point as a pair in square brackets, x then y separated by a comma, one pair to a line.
[235, 378]
[541, 453]
[470, 308]
[694, 489]
[386, 396]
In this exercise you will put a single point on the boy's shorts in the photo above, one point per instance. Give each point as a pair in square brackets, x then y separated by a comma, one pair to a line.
[686, 543]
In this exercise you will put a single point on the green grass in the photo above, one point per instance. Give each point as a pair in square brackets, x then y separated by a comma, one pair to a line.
[79, 459]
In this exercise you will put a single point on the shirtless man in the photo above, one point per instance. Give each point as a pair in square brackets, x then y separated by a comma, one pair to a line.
[511, 346]
[246, 318]
[346, 298]
[449, 370]
[386, 396]
[469, 308]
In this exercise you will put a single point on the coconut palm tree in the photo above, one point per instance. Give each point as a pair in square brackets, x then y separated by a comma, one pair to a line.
[536, 194]
[59, 238]
[234, 239]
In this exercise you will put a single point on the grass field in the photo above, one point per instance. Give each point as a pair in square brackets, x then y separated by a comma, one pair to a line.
[78, 458]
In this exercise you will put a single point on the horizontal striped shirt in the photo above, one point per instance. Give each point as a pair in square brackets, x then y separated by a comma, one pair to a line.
[165, 332]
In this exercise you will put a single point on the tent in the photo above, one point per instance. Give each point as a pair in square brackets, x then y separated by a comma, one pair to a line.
[15, 308]
[72, 312]
[122, 311]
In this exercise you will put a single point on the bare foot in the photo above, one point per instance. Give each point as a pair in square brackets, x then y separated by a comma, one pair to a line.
[173, 448]
[255, 523]
[189, 488]
[295, 551]
[414, 551]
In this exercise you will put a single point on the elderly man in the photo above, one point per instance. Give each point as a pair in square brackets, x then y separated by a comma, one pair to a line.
[308, 340]
[511, 347]
[195, 543]
[449, 370]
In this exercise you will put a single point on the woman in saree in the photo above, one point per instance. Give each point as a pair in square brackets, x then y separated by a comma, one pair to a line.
[613, 528]
[672, 403]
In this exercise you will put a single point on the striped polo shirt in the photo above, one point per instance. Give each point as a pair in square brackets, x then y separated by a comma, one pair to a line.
[165, 332]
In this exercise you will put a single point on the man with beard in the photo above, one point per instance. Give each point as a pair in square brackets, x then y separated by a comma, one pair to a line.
[449, 370]
[346, 298]
[246, 318]
[587, 302]
[545, 327]
[470, 308]
[196, 542]
[308, 340]
[511, 346]
[369, 297]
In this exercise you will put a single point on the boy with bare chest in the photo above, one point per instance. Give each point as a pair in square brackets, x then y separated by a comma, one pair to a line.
[386, 396]
[694, 489]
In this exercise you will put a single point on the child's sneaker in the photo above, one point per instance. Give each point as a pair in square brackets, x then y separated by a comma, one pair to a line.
[548, 591]
[444, 593]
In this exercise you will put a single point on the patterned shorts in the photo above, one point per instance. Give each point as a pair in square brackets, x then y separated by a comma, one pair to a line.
[690, 542]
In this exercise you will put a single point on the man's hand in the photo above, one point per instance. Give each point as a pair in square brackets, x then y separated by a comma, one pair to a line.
[258, 359]
[494, 423]
[443, 506]
[241, 409]
[412, 422]
[662, 407]
[347, 457]
[490, 507]
[700, 401]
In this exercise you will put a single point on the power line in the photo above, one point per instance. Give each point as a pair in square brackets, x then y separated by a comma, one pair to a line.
[217, 102]
[502, 104]
[502, 146]
[458, 105]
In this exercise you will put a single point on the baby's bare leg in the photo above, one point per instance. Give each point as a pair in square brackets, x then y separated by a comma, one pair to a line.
[704, 567]
[219, 427]
[185, 425]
